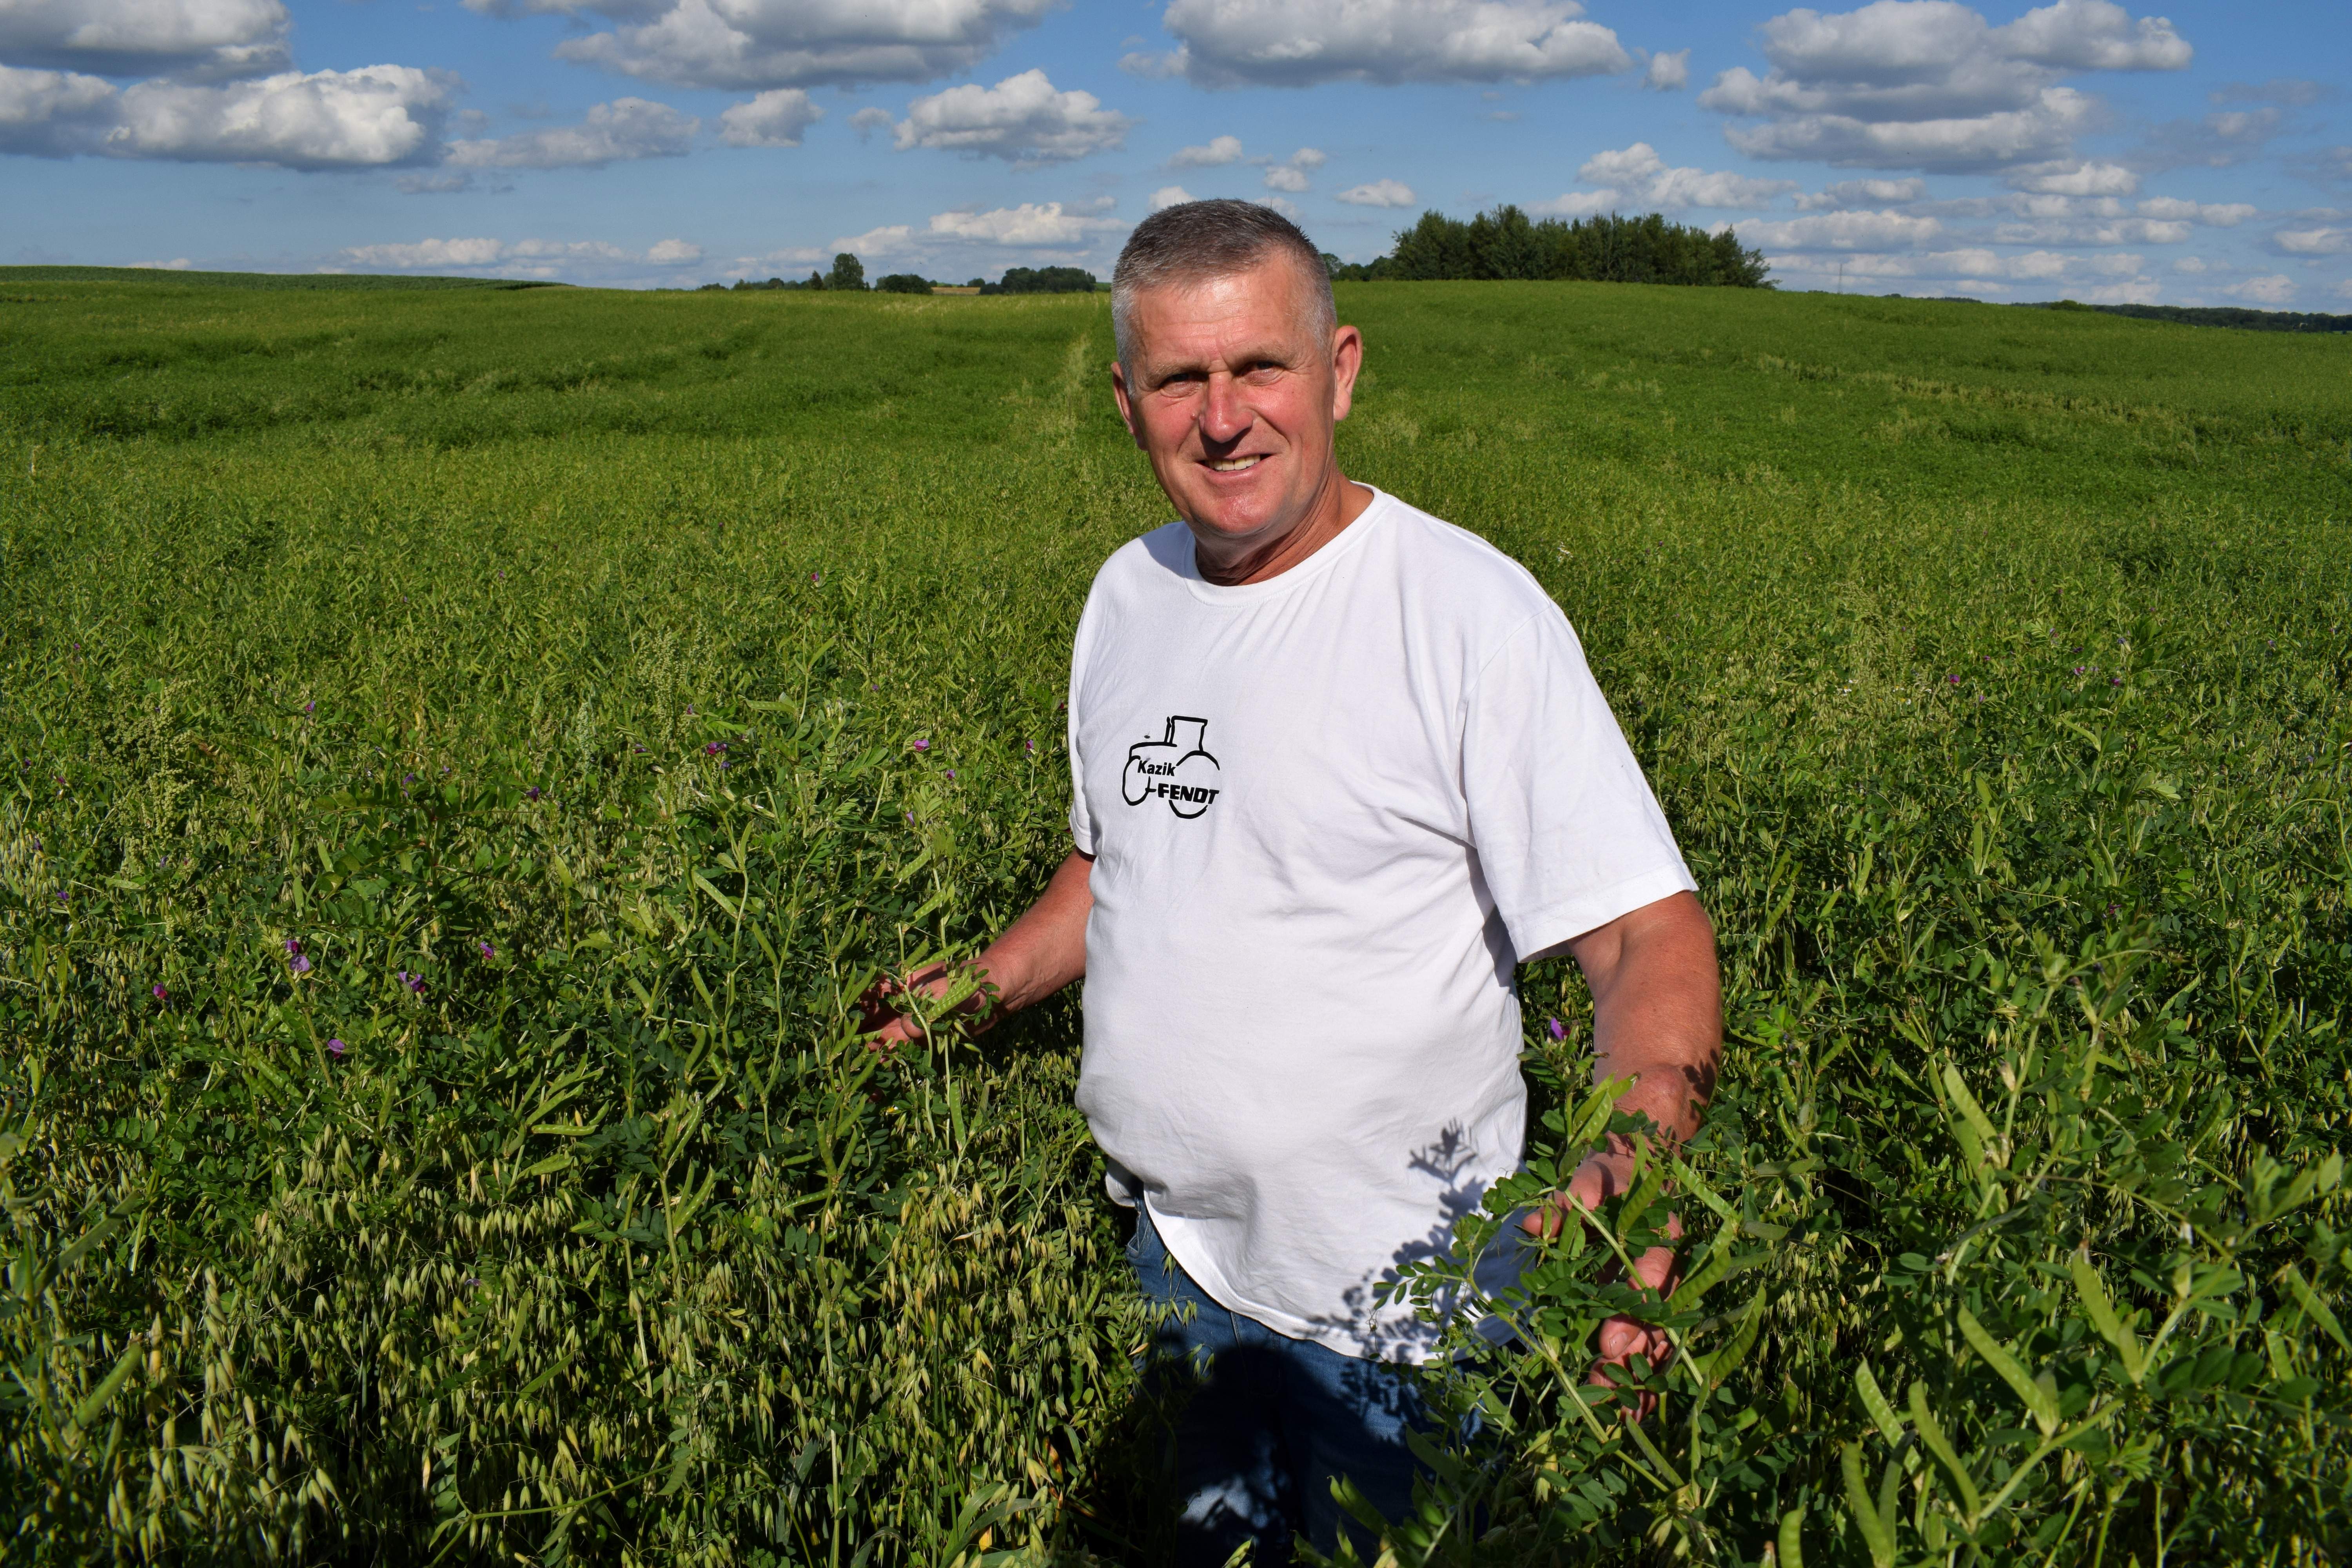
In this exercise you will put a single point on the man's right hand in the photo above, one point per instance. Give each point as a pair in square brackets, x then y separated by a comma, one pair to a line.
[1038, 954]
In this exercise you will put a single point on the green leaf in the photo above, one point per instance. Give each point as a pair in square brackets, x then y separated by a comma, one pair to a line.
[552, 1163]
[2101, 1311]
[1931, 1434]
[1726, 1361]
[1882, 1414]
[87, 1413]
[1793, 1538]
[2038, 1400]
[2308, 1299]
[1877, 1533]
[1956, 1086]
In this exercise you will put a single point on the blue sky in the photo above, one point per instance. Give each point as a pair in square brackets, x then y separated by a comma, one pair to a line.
[2198, 155]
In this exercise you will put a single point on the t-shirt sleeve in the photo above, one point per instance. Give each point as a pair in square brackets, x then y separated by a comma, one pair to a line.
[1568, 834]
[1082, 822]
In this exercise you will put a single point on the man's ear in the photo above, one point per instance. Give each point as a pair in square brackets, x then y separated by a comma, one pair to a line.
[1119, 390]
[1346, 359]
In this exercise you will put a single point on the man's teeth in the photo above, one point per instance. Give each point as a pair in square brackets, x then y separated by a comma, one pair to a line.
[1233, 465]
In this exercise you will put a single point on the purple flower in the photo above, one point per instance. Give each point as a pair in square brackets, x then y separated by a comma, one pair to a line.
[410, 779]
[487, 950]
[532, 794]
[689, 710]
[336, 1047]
[1029, 745]
[714, 748]
[309, 707]
[950, 772]
[921, 744]
[293, 947]
[1954, 679]
[815, 577]
[2115, 680]
[302, 965]
[415, 982]
[162, 995]
[1558, 1030]
[2079, 668]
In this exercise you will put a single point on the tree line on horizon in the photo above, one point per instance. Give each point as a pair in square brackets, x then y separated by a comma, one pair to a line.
[1604, 248]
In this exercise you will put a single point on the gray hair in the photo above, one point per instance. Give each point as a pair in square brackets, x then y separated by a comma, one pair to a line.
[1193, 242]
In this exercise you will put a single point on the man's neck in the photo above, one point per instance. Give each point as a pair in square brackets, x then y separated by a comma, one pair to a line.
[1340, 503]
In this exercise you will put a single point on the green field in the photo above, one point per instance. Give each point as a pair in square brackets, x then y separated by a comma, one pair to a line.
[465, 750]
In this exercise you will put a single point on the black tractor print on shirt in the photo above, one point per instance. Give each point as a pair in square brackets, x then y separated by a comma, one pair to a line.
[1174, 768]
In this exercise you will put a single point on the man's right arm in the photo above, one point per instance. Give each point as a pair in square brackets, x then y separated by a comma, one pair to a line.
[1038, 954]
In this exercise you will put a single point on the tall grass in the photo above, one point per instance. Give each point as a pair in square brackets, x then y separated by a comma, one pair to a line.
[465, 750]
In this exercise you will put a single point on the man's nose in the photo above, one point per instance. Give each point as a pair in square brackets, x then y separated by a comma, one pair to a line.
[1226, 416]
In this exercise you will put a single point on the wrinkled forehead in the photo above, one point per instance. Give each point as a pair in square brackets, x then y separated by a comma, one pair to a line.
[1266, 307]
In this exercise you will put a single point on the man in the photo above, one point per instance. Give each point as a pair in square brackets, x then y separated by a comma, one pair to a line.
[1336, 768]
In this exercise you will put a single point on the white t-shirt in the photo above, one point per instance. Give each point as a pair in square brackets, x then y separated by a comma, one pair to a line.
[1328, 812]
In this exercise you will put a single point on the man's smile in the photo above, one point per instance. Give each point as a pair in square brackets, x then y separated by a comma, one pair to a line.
[1233, 465]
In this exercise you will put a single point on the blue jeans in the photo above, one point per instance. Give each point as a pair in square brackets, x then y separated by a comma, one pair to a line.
[1269, 1422]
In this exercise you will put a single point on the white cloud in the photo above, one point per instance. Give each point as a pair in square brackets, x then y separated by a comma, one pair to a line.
[1309, 158]
[2119, 231]
[2321, 241]
[1169, 196]
[1283, 177]
[325, 120]
[1287, 207]
[2213, 215]
[1032, 224]
[1021, 119]
[1219, 149]
[2272, 288]
[177, 264]
[889, 240]
[194, 39]
[1845, 231]
[2074, 179]
[1930, 84]
[1667, 73]
[870, 118]
[2215, 141]
[53, 113]
[1637, 176]
[1292, 43]
[758, 44]
[777, 118]
[2104, 279]
[1862, 194]
[618, 131]
[523, 257]
[1378, 193]
[2191, 264]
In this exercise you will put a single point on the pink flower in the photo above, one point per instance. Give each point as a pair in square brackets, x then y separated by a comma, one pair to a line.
[487, 950]
[336, 1047]
[1558, 1030]
[162, 995]
[921, 744]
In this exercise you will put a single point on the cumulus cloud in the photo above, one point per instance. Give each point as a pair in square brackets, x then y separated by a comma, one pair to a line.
[322, 119]
[1861, 194]
[777, 118]
[2213, 215]
[2322, 240]
[1037, 226]
[1845, 231]
[1638, 176]
[1930, 84]
[759, 44]
[1169, 196]
[674, 253]
[1217, 151]
[1667, 73]
[2116, 231]
[2271, 288]
[1291, 175]
[1283, 177]
[2104, 278]
[1022, 119]
[1378, 193]
[1295, 43]
[615, 132]
[521, 258]
[2074, 179]
[193, 39]
[53, 113]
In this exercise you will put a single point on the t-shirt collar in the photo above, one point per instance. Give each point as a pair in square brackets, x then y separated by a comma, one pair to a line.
[1346, 539]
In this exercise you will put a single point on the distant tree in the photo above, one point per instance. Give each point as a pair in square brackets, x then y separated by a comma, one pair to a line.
[849, 272]
[1042, 280]
[977, 283]
[709, 288]
[815, 280]
[903, 283]
[1507, 244]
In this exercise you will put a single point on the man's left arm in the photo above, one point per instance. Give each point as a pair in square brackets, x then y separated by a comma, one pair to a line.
[1657, 1020]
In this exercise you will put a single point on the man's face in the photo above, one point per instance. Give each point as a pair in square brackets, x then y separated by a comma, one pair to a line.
[1234, 394]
